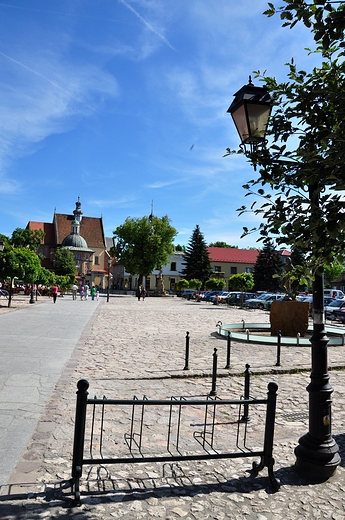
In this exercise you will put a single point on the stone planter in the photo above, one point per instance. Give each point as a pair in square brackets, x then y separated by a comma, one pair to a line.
[290, 317]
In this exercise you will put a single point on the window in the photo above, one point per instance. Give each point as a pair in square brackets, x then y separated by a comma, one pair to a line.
[233, 270]
[96, 260]
[77, 256]
[249, 270]
[217, 269]
[173, 266]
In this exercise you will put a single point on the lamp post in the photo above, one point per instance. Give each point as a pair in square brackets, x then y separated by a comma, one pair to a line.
[317, 454]
[108, 288]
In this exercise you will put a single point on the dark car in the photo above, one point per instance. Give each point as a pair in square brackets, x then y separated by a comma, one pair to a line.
[334, 306]
[340, 314]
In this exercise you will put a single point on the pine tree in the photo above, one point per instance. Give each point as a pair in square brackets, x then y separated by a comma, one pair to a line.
[197, 262]
[268, 264]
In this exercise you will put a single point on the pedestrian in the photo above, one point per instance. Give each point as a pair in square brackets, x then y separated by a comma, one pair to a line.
[97, 294]
[93, 292]
[138, 292]
[55, 293]
[81, 292]
[74, 291]
[143, 293]
[86, 291]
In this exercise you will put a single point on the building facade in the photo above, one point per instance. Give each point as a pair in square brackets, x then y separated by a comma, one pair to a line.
[84, 237]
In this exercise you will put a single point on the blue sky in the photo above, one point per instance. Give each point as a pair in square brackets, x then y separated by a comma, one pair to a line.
[123, 102]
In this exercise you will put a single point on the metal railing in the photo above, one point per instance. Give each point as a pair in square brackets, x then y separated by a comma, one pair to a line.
[220, 422]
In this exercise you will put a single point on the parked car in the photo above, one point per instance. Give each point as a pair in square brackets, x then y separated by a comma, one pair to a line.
[209, 297]
[220, 298]
[334, 306]
[269, 301]
[188, 293]
[340, 314]
[238, 297]
[259, 302]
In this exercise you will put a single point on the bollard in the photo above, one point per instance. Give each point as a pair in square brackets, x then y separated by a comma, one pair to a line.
[278, 348]
[186, 362]
[245, 416]
[298, 337]
[228, 348]
[243, 324]
[343, 340]
[214, 373]
[247, 332]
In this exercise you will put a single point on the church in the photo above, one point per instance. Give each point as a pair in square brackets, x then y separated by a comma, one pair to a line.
[84, 237]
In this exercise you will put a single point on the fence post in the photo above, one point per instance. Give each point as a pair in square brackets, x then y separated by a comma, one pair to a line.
[214, 373]
[245, 416]
[186, 362]
[228, 349]
[278, 347]
[79, 428]
[267, 458]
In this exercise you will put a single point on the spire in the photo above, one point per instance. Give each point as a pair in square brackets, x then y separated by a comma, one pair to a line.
[78, 212]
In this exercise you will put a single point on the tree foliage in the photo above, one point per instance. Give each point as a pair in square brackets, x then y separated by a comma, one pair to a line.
[29, 238]
[64, 262]
[215, 284]
[18, 262]
[241, 282]
[196, 259]
[144, 244]
[333, 271]
[268, 269]
[219, 243]
[301, 172]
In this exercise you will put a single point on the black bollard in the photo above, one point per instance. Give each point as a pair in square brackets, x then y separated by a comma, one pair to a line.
[186, 363]
[214, 373]
[245, 416]
[278, 347]
[228, 349]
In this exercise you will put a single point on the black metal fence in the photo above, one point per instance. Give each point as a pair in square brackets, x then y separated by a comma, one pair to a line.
[189, 429]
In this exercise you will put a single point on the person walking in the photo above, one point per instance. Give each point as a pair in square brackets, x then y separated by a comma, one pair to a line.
[81, 292]
[74, 291]
[143, 293]
[93, 292]
[138, 292]
[86, 291]
[55, 293]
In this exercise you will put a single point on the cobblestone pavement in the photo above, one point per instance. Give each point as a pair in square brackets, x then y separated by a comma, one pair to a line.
[138, 348]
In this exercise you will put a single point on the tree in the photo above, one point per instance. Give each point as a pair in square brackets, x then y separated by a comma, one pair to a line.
[301, 173]
[241, 282]
[182, 284]
[333, 271]
[178, 247]
[64, 262]
[18, 262]
[29, 238]
[268, 265]
[215, 284]
[221, 244]
[144, 244]
[197, 262]
[194, 283]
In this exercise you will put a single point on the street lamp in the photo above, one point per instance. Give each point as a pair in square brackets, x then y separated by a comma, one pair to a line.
[108, 288]
[317, 454]
[250, 111]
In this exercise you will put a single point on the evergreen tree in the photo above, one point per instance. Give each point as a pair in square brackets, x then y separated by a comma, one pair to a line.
[197, 262]
[268, 269]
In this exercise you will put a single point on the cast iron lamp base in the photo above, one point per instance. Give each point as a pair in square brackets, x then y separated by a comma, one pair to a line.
[317, 460]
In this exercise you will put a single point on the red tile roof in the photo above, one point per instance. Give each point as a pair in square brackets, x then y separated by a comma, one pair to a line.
[91, 229]
[233, 255]
[49, 238]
